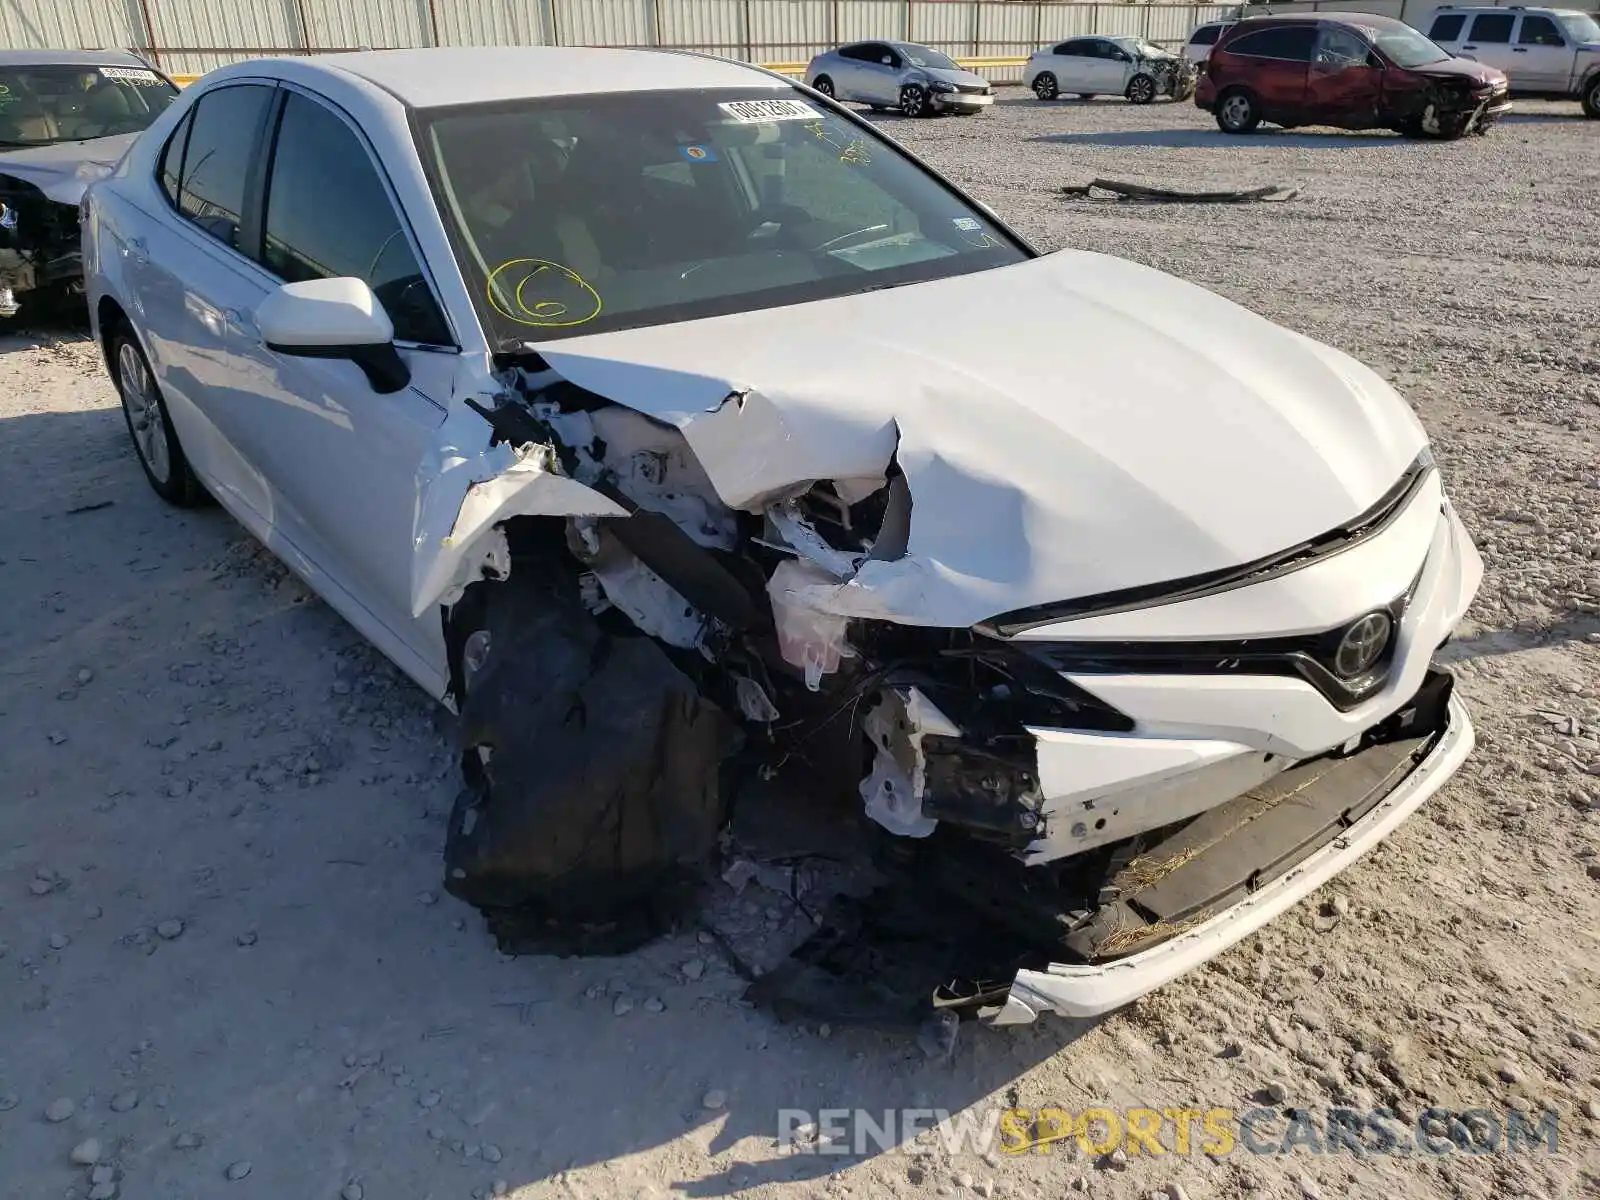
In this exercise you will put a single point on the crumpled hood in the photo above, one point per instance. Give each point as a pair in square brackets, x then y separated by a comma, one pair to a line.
[1479, 73]
[1067, 426]
[65, 170]
[967, 78]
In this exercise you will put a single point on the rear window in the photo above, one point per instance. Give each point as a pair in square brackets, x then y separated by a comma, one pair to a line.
[46, 104]
[1493, 28]
[1447, 29]
[1289, 42]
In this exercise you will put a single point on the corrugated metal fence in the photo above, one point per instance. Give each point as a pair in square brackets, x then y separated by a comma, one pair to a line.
[193, 36]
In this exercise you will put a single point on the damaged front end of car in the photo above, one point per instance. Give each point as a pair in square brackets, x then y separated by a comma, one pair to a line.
[39, 247]
[1055, 807]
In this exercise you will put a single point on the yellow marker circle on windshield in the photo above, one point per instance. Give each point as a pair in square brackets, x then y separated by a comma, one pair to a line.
[541, 293]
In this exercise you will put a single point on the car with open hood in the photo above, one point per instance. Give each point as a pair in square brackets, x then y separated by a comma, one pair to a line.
[918, 81]
[1127, 66]
[1348, 70]
[66, 116]
[688, 423]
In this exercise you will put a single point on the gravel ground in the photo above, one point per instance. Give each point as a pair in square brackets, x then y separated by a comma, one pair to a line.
[225, 968]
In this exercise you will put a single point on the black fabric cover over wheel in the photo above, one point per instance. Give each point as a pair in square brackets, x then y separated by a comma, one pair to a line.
[592, 767]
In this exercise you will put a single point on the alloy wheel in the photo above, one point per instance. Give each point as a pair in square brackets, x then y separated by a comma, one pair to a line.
[145, 418]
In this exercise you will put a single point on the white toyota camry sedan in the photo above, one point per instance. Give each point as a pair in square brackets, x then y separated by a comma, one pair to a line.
[671, 424]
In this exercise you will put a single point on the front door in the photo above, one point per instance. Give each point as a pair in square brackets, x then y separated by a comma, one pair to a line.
[881, 75]
[1542, 54]
[1345, 82]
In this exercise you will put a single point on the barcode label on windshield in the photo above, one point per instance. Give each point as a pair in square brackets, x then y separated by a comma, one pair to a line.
[129, 73]
[750, 112]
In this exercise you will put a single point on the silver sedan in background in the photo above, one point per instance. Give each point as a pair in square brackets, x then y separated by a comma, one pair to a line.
[916, 80]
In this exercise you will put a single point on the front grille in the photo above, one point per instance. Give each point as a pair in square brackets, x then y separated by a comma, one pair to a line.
[1311, 657]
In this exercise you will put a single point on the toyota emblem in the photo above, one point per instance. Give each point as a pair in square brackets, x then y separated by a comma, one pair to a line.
[1361, 645]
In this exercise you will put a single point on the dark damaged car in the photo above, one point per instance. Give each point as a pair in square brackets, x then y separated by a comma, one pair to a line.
[685, 432]
[66, 117]
[1348, 70]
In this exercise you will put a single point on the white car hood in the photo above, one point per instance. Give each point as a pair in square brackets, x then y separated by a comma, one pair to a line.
[65, 170]
[1068, 426]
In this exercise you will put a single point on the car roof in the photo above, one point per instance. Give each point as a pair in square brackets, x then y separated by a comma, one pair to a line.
[70, 58]
[1310, 18]
[1509, 8]
[438, 77]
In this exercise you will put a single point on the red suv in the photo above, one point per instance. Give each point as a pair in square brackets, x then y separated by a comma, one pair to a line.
[1351, 70]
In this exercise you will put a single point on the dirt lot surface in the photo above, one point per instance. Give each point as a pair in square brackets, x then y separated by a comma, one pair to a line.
[225, 960]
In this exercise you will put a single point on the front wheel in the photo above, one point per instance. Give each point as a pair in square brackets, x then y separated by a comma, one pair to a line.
[1237, 112]
[824, 85]
[1141, 89]
[150, 425]
[914, 101]
[1045, 87]
[1591, 98]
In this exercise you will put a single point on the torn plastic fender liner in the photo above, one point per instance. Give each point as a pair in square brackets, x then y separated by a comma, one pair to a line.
[594, 765]
[463, 494]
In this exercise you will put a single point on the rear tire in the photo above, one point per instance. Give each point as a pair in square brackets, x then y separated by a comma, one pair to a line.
[1237, 112]
[824, 85]
[1045, 87]
[144, 409]
[1591, 97]
[1141, 89]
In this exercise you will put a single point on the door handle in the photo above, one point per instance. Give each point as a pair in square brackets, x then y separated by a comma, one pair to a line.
[1469, 47]
[238, 322]
[137, 247]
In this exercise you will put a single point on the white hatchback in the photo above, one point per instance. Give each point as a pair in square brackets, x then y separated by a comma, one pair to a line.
[620, 416]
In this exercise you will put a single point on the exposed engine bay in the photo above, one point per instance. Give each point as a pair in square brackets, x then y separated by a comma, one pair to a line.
[38, 244]
[629, 672]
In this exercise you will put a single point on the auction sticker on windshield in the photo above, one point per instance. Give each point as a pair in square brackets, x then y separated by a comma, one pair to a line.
[133, 74]
[753, 112]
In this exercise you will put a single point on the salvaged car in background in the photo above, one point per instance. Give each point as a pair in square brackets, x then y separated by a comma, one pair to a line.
[66, 116]
[659, 415]
[916, 80]
[1348, 70]
[1109, 66]
[1553, 53]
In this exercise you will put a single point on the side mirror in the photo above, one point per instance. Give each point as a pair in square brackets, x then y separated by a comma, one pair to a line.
[334, 318]
[887, 61]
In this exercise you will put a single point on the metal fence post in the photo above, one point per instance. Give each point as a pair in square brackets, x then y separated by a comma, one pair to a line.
[305, 26]
[149, 32]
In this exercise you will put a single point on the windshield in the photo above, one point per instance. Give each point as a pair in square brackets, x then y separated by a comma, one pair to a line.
[577, 215]
[1404, 46]
[47, 104]
[1580, 27]
[922, 56]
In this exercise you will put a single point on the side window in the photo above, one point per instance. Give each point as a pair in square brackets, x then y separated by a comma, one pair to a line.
[1290, 42]
[1061, 48]
[1539, 31]
[1340, 47]
[1114, 52]
[895, 61]
[854, 53]
[170, 170]
[1078, 48]
[1447, 29]
[328, 214]
[1206, 35]
[218, 156]
[1492, 28]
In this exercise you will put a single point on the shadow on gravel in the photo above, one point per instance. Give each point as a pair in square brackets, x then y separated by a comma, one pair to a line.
[1574, 118]
[1177, 139]
[1571, 627]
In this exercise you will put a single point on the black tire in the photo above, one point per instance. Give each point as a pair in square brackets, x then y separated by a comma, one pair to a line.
[914, 101]
[825, 85]
[1237, 111]
[1045, 87]
[1141, 89]
[1591, 97]
[150, 429]
[1429, 127]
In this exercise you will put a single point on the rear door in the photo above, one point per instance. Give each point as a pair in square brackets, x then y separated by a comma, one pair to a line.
[1345, 82]
[1488, 40]
[1542, 54]
[1274, 63]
